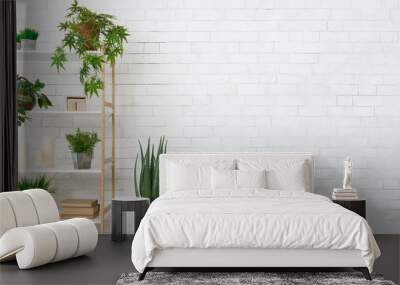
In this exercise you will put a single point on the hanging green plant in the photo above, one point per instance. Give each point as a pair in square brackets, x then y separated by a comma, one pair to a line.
[28, 95]
[148, 185]
[95, 38]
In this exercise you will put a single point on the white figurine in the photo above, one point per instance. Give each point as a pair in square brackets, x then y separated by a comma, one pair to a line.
[348, 166]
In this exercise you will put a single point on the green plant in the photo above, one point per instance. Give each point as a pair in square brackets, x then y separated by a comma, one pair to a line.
[18, 39]
[40, 182]
[28, 94]
[148, 185]
[95, 38]
[82, 142]
[29, 34]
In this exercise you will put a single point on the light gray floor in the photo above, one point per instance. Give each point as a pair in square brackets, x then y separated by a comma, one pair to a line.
[110, 260]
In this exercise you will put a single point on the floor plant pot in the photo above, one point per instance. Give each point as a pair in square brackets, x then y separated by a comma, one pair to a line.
[28, 44]
[82, 160]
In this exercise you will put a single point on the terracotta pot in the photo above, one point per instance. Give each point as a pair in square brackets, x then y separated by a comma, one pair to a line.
[87, 30]
[29, 101]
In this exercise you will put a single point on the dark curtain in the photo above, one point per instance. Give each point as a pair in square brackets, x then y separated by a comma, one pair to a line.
[8, 109]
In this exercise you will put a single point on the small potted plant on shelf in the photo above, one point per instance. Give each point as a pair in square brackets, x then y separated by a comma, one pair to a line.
[39, 182]
[28, 38]
[82, 145]
[95, 38]
[28, 95]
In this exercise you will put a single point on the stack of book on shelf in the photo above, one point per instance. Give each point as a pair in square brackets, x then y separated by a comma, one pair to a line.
[344, 194]
[82, 208]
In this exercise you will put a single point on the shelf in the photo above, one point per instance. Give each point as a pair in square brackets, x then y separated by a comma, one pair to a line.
[64, 171]
[64, 112]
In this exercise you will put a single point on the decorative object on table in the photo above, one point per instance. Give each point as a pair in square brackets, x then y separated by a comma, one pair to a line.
[28, 37]
[75, 104]
[84, 208]
[38, 182]
[45, 239]
[95, 38]
[265, 278]
[18, 40]
[347, 192]
[121, 205]
[348, 169]
[148, 186]
[28, 95]
[356, 206]
[82, 145]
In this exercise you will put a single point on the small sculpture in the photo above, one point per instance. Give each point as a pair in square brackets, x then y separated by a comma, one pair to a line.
[348, 166]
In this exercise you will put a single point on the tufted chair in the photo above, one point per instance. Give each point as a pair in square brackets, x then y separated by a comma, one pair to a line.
[31, 230]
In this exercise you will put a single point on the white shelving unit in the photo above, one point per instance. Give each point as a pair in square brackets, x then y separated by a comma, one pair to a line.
[106, 111]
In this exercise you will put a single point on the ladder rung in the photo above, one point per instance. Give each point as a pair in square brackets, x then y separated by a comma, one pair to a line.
[108, 104]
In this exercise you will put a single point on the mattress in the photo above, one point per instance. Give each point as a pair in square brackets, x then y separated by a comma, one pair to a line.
[250, 219]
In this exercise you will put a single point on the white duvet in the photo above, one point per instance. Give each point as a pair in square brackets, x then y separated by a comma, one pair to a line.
[250, 219]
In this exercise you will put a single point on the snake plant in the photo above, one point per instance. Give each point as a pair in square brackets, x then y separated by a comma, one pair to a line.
[148, 184]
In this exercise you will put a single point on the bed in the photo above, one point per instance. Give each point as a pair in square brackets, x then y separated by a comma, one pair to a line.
[246, 210]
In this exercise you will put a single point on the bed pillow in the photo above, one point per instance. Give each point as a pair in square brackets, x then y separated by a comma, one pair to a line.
[188, 177]
[282, 174]
[223, 179]
[252, 178]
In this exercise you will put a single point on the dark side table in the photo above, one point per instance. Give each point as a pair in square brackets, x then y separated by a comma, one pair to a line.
[127, 204]
[357, 206]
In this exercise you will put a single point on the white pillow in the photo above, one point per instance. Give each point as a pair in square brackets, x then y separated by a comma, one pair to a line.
[223, 179]
[187, 177]
[282, 174]
[251, 178]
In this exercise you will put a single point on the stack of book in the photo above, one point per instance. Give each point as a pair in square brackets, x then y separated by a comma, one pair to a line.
[344, 194]
[82, 208]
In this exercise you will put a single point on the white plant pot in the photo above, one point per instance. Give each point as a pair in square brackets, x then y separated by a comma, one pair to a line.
[28, 44]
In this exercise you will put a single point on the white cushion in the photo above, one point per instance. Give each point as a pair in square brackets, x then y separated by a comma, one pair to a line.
[223, 179]
[23, 208]
[252, 178]
[7, 218]
[188, 177]
[46, 207]
[282, 174]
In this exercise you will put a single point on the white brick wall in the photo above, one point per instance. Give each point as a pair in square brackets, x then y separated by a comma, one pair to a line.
[251, 75]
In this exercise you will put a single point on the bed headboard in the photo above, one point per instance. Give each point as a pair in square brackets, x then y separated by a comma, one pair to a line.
[213, 157]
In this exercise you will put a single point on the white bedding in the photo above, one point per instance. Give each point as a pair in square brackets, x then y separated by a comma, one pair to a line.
[250, 219]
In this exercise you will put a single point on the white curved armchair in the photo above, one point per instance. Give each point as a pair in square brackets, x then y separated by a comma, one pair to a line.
[31, 232]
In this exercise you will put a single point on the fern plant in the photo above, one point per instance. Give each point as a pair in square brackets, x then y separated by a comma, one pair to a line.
[95, 38]
[40, 182]
[82, 142]
[148, 184]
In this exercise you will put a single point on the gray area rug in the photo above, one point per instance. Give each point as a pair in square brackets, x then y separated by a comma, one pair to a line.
[269, 278]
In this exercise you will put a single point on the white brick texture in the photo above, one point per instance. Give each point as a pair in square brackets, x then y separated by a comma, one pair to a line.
[248, 75]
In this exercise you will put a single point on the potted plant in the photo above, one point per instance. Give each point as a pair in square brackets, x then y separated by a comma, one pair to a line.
[148, 185]
[28, 95]
[28, 38]
[40, 182]
[82, 145]
[95, 38]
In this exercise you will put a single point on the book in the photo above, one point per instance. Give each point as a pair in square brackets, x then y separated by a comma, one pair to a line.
[345, 194]
[78, 203]
[80, 211]
[344, 197]
[70, 216]
[341, 190]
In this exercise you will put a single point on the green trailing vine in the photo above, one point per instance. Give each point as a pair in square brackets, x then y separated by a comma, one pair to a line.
[95, 38]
